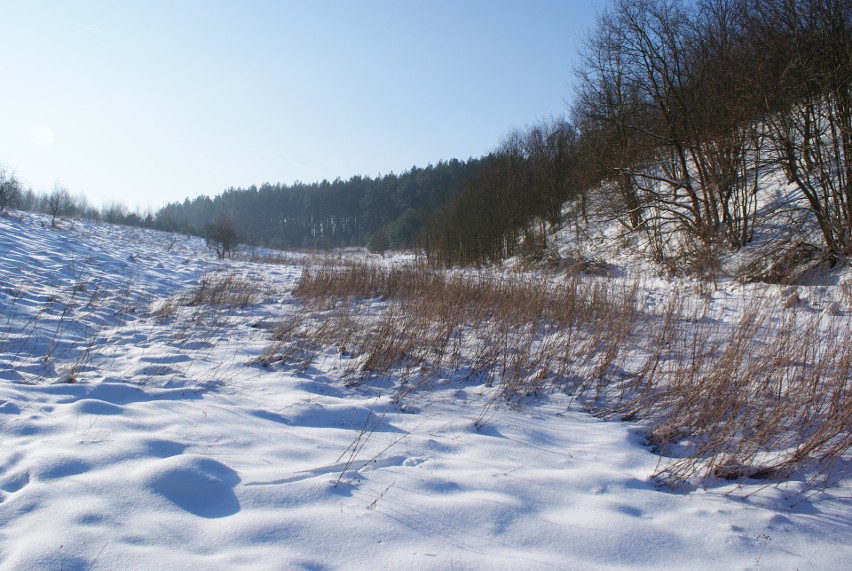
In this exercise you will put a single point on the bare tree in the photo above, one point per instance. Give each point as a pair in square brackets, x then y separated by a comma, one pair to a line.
[221, 235]
[58, 202]
[667, 120]
[606, 111]
[113, 213]
[805, 84]
[10, 191]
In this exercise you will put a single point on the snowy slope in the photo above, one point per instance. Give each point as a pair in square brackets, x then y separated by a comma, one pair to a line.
[139, 433]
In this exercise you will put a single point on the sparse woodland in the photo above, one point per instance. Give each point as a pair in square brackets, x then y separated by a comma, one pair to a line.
[683, 113]
[685, 109]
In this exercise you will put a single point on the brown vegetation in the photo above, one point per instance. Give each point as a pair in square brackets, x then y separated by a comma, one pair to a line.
[758, 399]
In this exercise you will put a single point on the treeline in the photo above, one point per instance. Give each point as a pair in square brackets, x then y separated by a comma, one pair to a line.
[457, 212]
[682, 109]
[512, 202]
[387, 211]
[61, 203]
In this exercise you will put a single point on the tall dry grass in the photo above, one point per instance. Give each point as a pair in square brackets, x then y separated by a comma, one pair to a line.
[419, 325]
[760, 398]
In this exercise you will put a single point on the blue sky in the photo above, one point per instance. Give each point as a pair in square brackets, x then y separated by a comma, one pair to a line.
[150, 102]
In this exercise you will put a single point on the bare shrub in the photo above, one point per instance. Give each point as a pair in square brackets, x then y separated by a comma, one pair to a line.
[58, 202]
[221, 235]
[785, 264]
[846, 293]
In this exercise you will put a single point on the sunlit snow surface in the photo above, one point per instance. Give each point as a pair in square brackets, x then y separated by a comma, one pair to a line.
[136, 441]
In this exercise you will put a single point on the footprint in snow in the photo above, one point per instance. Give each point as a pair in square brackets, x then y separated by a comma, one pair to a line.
[14, 482]
[8, 407]
[198, 485]
[55, 468]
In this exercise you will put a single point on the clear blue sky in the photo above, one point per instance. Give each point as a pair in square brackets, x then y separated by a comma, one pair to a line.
[147, 102]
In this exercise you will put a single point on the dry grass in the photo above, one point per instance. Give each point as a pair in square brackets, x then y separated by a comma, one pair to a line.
[760, 398]
[418, 325]
[206, 311]
[222, 291]
[229, 291]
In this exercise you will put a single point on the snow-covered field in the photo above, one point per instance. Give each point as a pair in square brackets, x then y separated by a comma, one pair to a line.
[138, 431]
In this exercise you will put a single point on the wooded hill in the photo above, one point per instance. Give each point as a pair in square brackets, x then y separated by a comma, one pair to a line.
[328, 214]
[682, 107]
[686, 113]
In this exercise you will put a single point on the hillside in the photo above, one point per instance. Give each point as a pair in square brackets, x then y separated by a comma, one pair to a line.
[162, 409]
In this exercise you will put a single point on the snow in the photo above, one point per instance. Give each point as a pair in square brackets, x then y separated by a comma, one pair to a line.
[137, 440]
